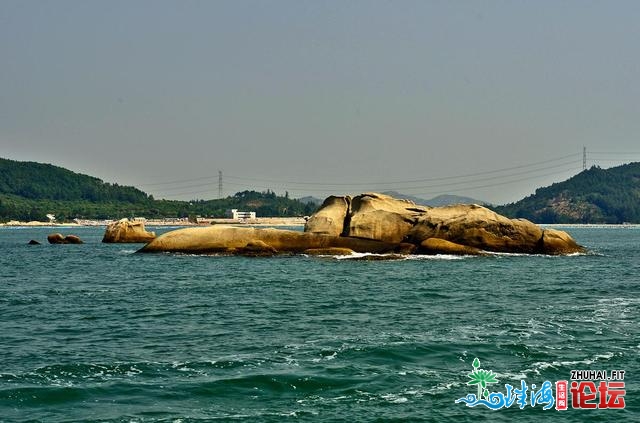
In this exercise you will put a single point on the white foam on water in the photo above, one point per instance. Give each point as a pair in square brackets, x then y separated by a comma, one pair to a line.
[543, 365]
[394, 398]
[399, 257]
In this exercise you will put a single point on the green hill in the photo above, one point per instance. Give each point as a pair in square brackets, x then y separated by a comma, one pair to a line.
[39, 181]
[29, 191]
[593, 196]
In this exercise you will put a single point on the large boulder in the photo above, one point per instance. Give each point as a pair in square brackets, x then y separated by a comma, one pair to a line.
[370, 215]
[239, 240]
[478, 227]
[558, 242]
[329, 219]
[125, 230]
[381, 217]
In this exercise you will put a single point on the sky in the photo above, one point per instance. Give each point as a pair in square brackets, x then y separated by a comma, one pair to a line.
[488, 99]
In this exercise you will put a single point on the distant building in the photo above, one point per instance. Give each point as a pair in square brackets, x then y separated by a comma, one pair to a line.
[239, 215]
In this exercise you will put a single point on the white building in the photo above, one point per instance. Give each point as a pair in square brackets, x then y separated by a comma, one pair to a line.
[239, 215]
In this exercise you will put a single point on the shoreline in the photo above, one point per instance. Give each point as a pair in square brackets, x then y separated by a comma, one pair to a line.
[260, 221]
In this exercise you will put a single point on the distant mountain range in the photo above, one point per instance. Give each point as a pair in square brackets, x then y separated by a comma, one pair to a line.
[440, 200]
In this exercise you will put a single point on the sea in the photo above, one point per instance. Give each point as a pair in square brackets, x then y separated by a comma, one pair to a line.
[99, 333]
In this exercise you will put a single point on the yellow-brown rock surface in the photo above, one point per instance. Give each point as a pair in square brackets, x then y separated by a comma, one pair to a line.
[479, 227]
[125, 230]
[384, 218]
[558, 242]
[329, 219]
[230, 239]
[381, 217]
[377, 223]
[442, 246]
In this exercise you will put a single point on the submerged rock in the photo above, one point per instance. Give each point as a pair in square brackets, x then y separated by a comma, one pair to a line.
[442, 246]
[331, 251]
[58, 238]
[33, 242]
[55, 238]
[256, 248]
[127, 231]
[72, 239]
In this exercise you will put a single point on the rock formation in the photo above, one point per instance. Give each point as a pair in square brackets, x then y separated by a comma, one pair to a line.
[72, 239]
[329, 219]
[61, 239]
[384, 218]
[558, 242]
[239, 240]
[442, 246]
[377, 223]
[125, 230]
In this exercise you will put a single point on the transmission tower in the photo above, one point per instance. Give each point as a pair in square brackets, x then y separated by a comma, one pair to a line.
[219, 184]
[584, 158]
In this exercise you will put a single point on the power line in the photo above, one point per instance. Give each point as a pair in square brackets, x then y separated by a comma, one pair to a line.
[443, 178]
[178, 190]
[490, 178]
[332, 184]
[627, 153]
[464, 182]
[467, 185]
[575, 169]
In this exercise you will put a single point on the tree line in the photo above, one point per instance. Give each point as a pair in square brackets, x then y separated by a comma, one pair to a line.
[30, 191]
[593, 196]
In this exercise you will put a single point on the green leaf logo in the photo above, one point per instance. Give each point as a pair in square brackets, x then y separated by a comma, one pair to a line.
[482, 378]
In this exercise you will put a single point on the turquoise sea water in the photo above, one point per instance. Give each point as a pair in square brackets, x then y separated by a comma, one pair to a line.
[95, 332]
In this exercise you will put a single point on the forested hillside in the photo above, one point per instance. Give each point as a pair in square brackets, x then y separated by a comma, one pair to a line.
[593, 196]
[29, 191]
[39, 181]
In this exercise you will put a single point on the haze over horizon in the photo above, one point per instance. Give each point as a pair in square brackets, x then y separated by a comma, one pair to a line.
[486, 99]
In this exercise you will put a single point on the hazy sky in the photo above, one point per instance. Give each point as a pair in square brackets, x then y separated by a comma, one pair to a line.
[490, 99]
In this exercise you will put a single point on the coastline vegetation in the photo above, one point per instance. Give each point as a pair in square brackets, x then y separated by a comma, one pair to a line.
[29, 191]
[594, 195]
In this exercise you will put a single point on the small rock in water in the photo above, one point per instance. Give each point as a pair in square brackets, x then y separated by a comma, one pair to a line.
[60, 239]
[55, 239]
[33, 242]
[72, 239]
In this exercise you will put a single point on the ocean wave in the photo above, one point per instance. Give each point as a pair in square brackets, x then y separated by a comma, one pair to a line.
[539, 366]
[393, 256]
